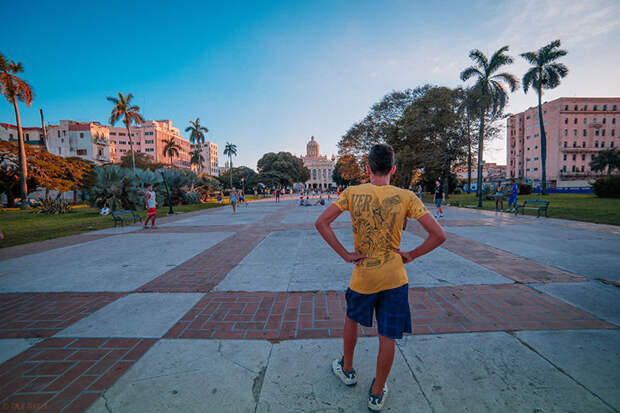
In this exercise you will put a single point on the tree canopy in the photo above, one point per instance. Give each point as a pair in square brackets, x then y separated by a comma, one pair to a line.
[281, 169]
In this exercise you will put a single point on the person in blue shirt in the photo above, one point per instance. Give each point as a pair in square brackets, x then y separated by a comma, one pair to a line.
[233, 201]
[514, 192]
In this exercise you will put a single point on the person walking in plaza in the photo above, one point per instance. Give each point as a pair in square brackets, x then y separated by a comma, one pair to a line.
[277, 195]
[514, 193]
[379, 284]
[499, 198]
[420, 191]
[150, 202]
[233, 201]
[439, 197]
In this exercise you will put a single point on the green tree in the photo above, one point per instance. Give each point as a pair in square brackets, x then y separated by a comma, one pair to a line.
[129, 113]
[491, 89]
[347, 171]
[197, 158]
[229, 150]
[608, 158]
[242, 177]
[171, 149]
[281, 169]
[545, 73]
[197, 135]
[141, 161]
[15, 89]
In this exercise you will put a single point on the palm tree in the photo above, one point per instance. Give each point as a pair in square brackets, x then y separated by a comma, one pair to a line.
[230, 150]
[197, 158]
[16, 89]
[490, 87]
[545, 73]
[130, 114]
[171, 148]
[197, 134]
[608, 158]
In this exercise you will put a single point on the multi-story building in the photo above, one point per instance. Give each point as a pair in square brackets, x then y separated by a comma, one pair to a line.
[149, 138]
[576, 130]
[209, 152]
[490, 172]
[321, 168]
[87, 140]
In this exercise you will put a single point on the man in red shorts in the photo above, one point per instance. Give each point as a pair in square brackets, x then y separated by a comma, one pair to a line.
[151, 212]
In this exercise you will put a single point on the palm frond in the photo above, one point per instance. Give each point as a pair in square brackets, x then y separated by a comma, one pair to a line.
[499, 59]
[530, 78]
[478, 57]
[512, 81]
[531, 57]
[469, 72]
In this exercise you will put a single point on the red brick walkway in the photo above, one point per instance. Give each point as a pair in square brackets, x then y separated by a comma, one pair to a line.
[45, 314]
[434, 310]
[66, 373]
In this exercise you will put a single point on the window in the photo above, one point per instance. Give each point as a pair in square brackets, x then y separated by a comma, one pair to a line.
[574, 144]
[121, 134]
[604, 107]
[613, 132]
[565, 132]
[595, 107]
[81, 134]
[604, 120]
[566, 121]
[527, 137]
[602, 144]
[613, 120]
[565, 142]
[596, 132]
[59, 150]
[58, 133]
[81, 152]
[27, 136]
[528, 169]
[564, 168]
[535, 169]
[112, 133]
[585, 121]
[149, 150]
[591, 157]
[575, 107]
[602, 132]
[573, 168]
[575, 121]
[64, 133]
[536, 158]
[565, 107]
[585, 132]
[583, 157]
[574, 157]
[581, 168]
[148, 133]
[564, 156]
[583, 144]
[611, 144]
[614, 107]
[585, 107]
[596, 144]
[574, 132]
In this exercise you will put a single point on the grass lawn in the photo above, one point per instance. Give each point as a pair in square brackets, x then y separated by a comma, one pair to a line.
[578, 207]
[21, 227]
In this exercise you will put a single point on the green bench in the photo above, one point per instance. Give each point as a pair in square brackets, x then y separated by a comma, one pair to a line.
[125, 215]
[534, 204]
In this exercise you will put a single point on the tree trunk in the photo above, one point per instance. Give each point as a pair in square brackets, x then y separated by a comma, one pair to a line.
[133, 159]
[230, 160]
[468, 156]
[480, 149]
[543, 144]
[23, 166]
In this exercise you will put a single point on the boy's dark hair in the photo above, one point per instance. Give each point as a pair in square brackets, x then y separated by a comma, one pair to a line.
[381, 159]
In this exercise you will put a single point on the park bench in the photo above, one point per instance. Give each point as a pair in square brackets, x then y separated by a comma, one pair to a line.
[125, 215]
[533, 204]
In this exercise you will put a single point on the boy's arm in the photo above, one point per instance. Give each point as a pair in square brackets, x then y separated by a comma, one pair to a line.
[323, 225]
[436, 237]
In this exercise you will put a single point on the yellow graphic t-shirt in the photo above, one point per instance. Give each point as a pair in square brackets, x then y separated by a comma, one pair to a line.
[377, 216]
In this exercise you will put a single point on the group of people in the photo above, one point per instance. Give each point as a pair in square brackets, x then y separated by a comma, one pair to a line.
[307, 202]
[512, 198]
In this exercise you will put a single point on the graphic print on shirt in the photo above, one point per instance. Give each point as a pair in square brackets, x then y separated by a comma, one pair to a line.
[373, 223]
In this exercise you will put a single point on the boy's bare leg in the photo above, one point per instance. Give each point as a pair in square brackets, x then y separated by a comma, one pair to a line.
[384, 364]
[350, 340]
[153, 221]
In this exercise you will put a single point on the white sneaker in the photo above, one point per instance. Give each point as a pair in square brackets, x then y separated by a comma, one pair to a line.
[347, 377]
[375, 403]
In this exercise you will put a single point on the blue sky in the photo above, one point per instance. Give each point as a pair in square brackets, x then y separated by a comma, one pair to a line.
[268, 75]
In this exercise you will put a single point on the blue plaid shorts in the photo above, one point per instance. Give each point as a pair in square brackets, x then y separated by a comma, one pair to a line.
[390, 308]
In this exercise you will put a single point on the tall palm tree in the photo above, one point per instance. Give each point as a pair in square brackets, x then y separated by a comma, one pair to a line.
[197, 134]
[16, 89]
[491, 89]
[230, 149]
[171, 148]
[545, 73]
[197, 158]
[123, 108]
[608, 158]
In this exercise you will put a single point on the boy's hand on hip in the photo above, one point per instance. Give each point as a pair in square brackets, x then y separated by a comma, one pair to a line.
[355, 257]
[406, 256]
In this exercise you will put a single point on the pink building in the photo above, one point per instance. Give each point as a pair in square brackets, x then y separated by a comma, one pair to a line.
[149, 138]
[576, 129]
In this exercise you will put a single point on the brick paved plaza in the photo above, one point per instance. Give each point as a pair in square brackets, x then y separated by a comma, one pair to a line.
[223, 313]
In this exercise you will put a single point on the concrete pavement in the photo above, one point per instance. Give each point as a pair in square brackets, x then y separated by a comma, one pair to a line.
[215, 312]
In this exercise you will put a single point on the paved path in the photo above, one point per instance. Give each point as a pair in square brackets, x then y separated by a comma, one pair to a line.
[223, 313]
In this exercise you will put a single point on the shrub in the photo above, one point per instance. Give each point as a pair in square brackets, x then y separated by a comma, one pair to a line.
[191, 197]
[115, 188]
[607, 187]
[525, 189]
[53, 206]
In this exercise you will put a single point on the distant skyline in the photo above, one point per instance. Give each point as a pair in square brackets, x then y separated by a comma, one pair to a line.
[268, 75]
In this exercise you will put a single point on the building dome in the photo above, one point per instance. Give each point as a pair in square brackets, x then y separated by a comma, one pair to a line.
[312, 148]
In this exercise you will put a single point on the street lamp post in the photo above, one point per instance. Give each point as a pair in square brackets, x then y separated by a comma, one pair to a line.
[170, 212]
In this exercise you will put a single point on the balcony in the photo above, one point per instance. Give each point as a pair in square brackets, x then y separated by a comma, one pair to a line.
[579, 174]
[582, 149]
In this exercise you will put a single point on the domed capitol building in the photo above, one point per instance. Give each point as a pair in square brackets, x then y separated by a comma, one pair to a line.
[321, 167]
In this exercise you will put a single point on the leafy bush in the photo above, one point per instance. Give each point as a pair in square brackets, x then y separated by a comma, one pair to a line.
[116, 188]
[525, 189]
[191, 197]
[607, 187]
[53, 206]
